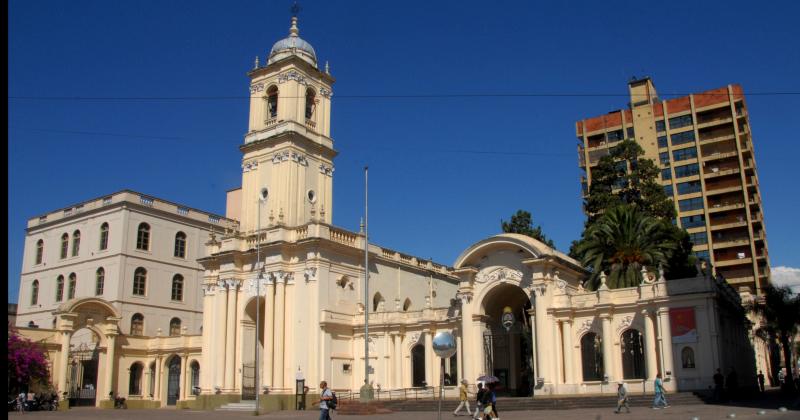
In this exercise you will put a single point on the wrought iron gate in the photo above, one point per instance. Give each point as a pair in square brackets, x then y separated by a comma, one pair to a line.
[248, 381]
[82, 376]
[498, 359]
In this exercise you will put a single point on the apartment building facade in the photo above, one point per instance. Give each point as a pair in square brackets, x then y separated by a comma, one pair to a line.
[703, 145]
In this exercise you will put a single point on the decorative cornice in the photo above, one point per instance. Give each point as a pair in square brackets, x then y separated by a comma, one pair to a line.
[325, 92]
[625, 323]
[292, 75]
[498, 274]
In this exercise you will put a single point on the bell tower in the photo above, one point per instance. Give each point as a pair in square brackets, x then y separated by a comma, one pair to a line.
[288, 152]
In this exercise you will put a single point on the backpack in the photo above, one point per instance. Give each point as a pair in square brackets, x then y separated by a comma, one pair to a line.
[333, 402]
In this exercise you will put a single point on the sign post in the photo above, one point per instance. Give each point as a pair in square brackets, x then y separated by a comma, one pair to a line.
[444, 345]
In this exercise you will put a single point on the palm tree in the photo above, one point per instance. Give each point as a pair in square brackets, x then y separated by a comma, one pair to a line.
[781, 310]
[621, 242]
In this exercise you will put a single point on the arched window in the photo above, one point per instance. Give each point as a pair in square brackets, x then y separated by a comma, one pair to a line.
[139, 281]
[76, 242]
[60, 289]
[100, 280]
[39, 251]
[406, 305]
[418, 365]
[35, 292]
[272, 102]
[64, 245]
[175, 327]
[592, 357]
[177, 287]
[137, 324]
[195, 377]
[632, 355]
[135, 384]
[687, 358]
[104, 236]
[143, 237]
[310, 103]
[180, 245]
[73, 283]
[376, 302]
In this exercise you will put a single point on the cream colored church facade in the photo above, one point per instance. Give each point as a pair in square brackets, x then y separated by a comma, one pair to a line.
[278, 263]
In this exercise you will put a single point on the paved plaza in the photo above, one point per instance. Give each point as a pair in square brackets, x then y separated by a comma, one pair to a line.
[702, 412]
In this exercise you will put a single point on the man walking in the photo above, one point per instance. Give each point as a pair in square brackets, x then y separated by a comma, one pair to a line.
[659, 402]
[325, 396]
[719, 381]
[622, 398]
[760, 378]
[479, 401]
[462, 396]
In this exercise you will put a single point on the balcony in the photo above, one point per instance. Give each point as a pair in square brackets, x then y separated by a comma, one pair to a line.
[723, 190]
[712, 173]
[720, 207]
[716, 139]
[311, 124]
[718, 155]
[729, 225]
[733, 261]
[730, 242]
[710, 122]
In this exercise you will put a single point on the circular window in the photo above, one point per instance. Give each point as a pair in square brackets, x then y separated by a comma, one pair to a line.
[312, 196]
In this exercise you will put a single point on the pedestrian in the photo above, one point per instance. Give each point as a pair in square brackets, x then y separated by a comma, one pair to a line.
[781, 377]
[324, 396]
[21, 402]
[659, 402]
[622, 398]
[719, 381]
[492, 403]
[479, 401]
[462, 396]
[760, 377]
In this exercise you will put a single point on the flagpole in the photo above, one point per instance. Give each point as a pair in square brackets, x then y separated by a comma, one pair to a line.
[366, 279]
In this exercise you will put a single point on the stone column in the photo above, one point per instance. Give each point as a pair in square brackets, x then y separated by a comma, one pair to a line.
[608, 356]
[269, 331]
[542, 361]
[184, 382]
[230, 336]
[469, 339]
[429, 358]
[111, 345]
[280, 307]
[157, 393]
[568, 360]
[398, 361]
[665, 344]
[534, 350]
[207, 355]
[220, 326]
[649, 345]
[63, 362]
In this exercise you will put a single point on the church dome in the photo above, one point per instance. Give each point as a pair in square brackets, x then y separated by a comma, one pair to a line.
[293, 45]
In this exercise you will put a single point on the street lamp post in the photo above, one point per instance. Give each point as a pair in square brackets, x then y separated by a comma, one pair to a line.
[262, 196]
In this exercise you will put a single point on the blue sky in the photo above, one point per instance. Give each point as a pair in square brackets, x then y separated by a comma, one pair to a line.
[443, 171]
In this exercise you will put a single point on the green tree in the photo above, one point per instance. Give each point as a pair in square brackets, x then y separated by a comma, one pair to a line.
[622, 241]
[624, 177]
[522, 222]
[781, 310]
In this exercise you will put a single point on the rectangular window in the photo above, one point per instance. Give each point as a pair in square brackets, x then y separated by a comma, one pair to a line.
[699, 238]
[668, 190]
[660, 126]
[616, 135]
[678, 122]
[682, 138]
[693, 221]
[663, 157]
[691, 204]
[686, 170]
[684, 154]
[629, 131]
[703, 255]
[689, 187]
[666, 174]
[662, 142]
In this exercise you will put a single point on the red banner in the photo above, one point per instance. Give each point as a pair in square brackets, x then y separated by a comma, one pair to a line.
[683, 325]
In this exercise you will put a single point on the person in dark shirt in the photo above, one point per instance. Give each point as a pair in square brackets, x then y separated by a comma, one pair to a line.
[479, 402]
[760, 378]
[719, 381]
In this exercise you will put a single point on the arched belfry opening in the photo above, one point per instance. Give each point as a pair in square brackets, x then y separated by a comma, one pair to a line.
[507, 342]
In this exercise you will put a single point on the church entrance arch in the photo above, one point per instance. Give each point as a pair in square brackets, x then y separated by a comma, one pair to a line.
[82, 370]
[249, 346]
[508, 348]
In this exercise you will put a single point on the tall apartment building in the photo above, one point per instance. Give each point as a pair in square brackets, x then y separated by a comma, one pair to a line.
[137, 252]
[702, 143]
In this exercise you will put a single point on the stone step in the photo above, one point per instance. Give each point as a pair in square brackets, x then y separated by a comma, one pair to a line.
[239, 406]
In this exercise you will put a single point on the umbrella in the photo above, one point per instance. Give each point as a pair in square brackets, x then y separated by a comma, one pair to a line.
[488, 379]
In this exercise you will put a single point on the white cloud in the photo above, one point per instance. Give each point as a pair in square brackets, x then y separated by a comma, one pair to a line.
[786, 276]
